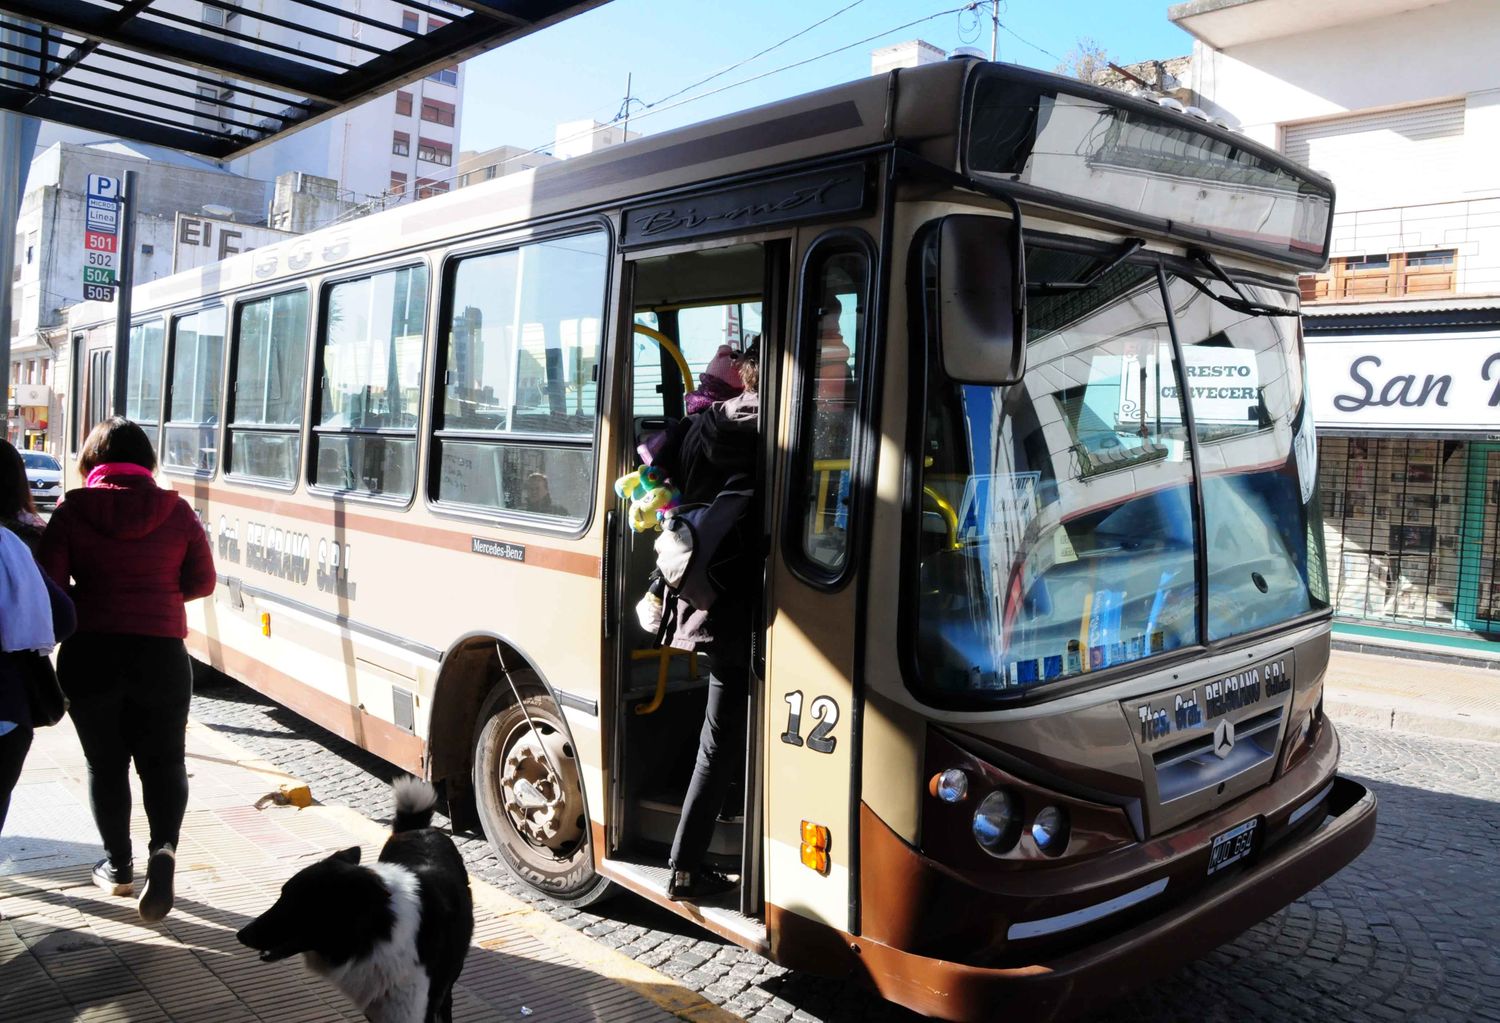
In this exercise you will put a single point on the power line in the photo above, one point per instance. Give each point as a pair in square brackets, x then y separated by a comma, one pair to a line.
[762, 53]
[1031, 44]
[658, 108]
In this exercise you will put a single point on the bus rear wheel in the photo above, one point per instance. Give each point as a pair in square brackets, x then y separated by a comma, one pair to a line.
[528, 790]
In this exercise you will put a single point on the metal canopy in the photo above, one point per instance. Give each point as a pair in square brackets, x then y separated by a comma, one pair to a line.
[223, 77]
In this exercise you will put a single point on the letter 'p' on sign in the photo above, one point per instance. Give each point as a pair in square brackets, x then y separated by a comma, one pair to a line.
[102, 186]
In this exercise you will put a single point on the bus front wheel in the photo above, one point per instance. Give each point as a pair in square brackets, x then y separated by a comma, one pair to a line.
[528, 790]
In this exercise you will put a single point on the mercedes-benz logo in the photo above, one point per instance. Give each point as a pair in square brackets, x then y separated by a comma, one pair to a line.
[1224, 738]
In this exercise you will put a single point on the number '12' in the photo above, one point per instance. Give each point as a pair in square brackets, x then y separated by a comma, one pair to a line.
[824, 708]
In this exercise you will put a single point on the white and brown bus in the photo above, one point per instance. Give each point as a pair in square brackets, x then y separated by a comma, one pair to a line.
[1037, 710]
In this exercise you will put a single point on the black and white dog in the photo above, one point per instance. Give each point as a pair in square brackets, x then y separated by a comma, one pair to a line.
[392, 936]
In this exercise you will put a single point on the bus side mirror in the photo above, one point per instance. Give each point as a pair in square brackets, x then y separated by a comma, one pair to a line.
[981, 299]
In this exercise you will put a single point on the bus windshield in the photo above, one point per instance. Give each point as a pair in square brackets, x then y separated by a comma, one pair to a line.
[1059, 534]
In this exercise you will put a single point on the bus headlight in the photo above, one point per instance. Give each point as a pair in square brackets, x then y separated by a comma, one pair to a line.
[1050, 830]
[952, 786]
[997, 822]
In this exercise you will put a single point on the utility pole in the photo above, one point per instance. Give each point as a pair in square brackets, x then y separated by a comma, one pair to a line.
[122, 292]
[994, 29]
[629, 75]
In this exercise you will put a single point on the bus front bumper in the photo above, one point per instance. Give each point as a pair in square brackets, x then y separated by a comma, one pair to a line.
[1093, 976]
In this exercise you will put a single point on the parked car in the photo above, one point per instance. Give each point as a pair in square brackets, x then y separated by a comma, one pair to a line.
[44, 473]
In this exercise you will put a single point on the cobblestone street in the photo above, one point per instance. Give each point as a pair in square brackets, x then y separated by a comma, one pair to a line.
[1407, 932]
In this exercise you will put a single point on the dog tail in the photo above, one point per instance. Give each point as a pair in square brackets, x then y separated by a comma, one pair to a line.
[415, 802]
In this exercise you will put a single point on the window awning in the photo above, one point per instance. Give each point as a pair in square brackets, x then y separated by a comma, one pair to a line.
[220, 79]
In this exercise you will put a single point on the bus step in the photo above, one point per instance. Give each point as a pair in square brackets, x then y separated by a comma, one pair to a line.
[656, 821]
[719, 913]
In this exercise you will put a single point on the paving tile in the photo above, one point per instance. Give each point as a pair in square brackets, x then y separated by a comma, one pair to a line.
[69, 952]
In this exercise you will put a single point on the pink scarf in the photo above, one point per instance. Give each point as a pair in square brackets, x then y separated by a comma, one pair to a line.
[96, 478]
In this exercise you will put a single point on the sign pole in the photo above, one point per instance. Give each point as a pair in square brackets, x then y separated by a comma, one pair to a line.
[122, 308]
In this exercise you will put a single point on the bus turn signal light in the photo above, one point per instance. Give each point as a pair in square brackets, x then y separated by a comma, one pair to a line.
[265, 623]
[817, 859]
[815, 846]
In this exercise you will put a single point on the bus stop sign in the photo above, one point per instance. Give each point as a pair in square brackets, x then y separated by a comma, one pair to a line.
[101, 224]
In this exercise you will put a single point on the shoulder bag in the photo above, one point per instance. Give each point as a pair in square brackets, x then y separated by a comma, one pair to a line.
[44, 696]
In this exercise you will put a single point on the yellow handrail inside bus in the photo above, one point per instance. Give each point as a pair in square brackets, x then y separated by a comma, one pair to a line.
[665, 654]
[672, 350]
[826, 467]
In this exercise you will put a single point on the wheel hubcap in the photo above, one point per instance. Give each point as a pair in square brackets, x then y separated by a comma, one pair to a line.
[540, 801]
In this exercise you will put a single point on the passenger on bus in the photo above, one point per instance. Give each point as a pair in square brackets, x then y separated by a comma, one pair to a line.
[536, 495]
[131, 554]
[719, 381]
[702, 455]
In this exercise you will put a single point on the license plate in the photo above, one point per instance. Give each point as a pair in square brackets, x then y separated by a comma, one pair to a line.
[1232, 846]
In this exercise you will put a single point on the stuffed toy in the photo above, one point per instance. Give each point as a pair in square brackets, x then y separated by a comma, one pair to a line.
[650, 497]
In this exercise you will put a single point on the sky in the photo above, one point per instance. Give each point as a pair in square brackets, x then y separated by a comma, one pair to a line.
[578, 69]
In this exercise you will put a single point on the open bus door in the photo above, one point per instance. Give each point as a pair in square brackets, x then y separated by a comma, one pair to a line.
[684, 305]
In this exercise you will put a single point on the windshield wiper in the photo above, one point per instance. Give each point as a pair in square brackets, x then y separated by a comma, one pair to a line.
[1239, 301]
[1127, 249]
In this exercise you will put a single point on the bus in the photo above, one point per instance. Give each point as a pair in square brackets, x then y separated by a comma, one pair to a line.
[1039, 649]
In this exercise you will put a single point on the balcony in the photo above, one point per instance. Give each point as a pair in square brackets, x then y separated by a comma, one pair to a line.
[1222, 24]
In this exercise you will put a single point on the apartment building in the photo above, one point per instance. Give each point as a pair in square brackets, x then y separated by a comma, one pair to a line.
[1398, 101]
[394, 148]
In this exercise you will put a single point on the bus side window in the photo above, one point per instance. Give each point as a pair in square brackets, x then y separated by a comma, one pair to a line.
[518, 374]
[143, 387]
[370, 358]
[265, 392]
[190, 438]
[830, 358]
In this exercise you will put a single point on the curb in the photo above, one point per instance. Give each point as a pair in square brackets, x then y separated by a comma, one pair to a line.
[666, 993]
[1390, 716]
[1413, 652]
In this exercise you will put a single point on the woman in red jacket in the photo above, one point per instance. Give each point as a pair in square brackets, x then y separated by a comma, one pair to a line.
[130, 554]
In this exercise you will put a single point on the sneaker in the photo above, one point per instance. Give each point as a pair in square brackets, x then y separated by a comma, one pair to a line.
[115, 880]
[703, 883]
[156, 896]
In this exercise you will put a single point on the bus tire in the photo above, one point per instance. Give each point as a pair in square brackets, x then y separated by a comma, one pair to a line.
[528, 792]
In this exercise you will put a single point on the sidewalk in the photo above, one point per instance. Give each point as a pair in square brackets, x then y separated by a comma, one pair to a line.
[1447, 700]
[68, 952]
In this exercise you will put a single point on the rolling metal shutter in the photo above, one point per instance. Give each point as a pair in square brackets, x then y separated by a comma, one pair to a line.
[1373, 159]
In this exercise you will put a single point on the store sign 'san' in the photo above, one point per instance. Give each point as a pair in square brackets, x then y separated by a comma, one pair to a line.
[1406, 382]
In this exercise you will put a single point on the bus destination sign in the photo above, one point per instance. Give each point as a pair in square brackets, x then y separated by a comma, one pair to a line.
[813, 195]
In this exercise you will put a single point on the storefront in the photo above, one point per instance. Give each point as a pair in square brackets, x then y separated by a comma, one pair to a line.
[1408, 414]
[31, 411]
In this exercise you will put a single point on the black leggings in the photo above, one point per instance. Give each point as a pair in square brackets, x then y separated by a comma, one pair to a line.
[129, 698]
[14, 745]
[721, 748]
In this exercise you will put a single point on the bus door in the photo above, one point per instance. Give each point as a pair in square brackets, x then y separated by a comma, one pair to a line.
[689, 311]
[811, 803]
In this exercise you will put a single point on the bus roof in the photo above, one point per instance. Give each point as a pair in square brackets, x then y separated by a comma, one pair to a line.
[920, 108]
